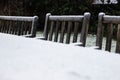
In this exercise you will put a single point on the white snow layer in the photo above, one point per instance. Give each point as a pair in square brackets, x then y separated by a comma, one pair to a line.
[31, 59]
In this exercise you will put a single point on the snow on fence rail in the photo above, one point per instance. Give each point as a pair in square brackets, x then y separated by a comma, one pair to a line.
[18, 25]
[110, 22]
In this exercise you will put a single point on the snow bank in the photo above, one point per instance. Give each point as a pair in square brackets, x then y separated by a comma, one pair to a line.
[31, 59]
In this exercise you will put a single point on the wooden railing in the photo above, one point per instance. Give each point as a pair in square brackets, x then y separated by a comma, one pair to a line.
[66, 24]
[18, 25]
[111, 22]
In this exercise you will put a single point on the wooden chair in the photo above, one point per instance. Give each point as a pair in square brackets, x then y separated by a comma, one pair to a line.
[109, 22]
[59, 28]
[18, 25]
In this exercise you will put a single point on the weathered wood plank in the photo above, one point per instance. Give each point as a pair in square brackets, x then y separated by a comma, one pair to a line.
[62, 32]
[111, 19]
[109, 37]
[51, 31]
[118, 40]
[68, 32]
[16, 18]
[100, 31]
[66, 18]
[85, 27]
[75, 32]
[46, 26]
[57, 31]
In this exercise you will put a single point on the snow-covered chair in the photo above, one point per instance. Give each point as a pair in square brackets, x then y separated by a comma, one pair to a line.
[106, 24]
[19, 25]
[61, 28]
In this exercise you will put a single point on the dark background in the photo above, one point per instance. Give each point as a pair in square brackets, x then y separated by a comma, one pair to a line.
[60, 7]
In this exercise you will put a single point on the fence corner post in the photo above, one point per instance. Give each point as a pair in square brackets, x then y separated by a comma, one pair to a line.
[100, 31]
[85, 27]
[45, 33]
[34, 26]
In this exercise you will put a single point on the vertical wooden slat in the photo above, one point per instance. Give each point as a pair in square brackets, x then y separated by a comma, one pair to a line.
[0, 25]
[4, 26]
[100, 31]
[2, 30]
[68, 32]
[10, 25]
[28, 28]
[62, 32]
[109, 37]
[51, 30]
[19, 28]
[118, 40]
[75, 32]
[15, 25]
[7, 26]
[57, 31]
[25, 27]
[85, 27]
[22, 28]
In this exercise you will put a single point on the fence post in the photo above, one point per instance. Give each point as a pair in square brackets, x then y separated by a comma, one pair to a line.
[100, 31]
[34, 26]
[45, 33]
[85, 26]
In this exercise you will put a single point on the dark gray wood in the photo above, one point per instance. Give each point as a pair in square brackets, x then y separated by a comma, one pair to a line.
[109, 37]
[67, 18]
[62, 32]
[111, 19]
[57, 31]
[2, 28]
[16, 18]
[118, 40]
[68, 32]
[51, 31]
[75, 32]
[100, 31]
[46, 26]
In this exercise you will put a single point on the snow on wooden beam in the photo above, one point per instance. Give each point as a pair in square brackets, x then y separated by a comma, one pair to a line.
[105, 1]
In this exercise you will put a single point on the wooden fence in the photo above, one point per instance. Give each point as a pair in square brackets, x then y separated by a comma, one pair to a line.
[18, 25]
[66, 24]
[110, 22]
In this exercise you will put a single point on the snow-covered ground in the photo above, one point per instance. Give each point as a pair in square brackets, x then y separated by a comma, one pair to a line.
[32, 59]
[90, 41]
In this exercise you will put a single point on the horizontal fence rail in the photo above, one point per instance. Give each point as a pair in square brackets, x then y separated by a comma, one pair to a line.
[17, 18]
[111, 19]
[66, 18]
